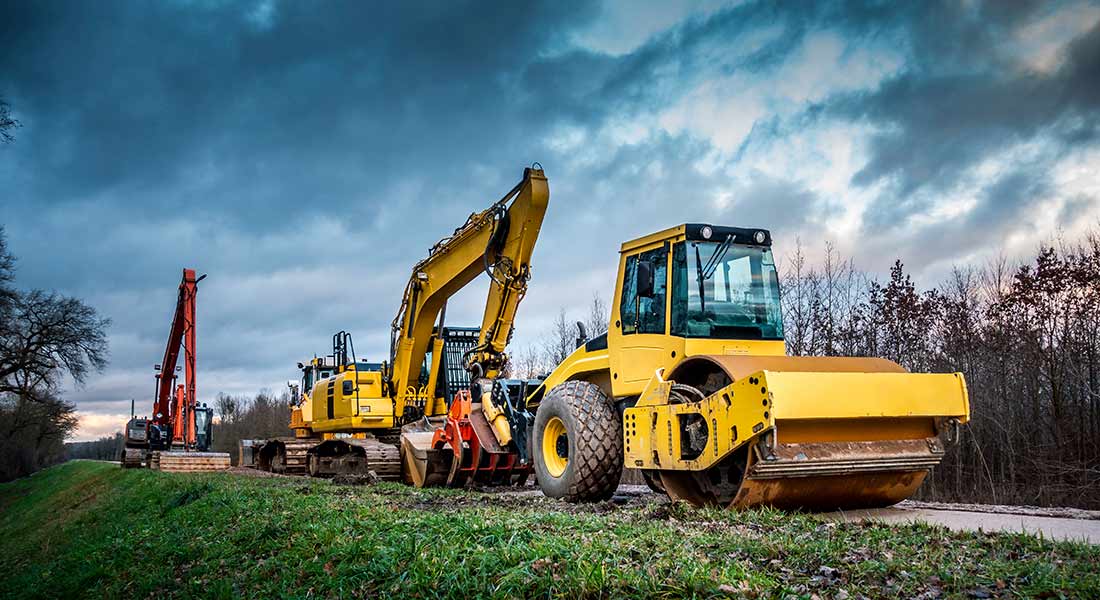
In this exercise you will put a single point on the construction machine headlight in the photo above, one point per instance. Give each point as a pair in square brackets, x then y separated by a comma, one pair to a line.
[706, 232]
[759, 236]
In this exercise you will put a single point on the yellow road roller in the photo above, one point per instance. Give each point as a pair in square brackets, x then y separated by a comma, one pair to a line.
[691, 385]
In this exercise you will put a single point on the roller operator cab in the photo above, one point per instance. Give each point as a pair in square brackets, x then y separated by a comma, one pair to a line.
[692, 386]
[695, 289]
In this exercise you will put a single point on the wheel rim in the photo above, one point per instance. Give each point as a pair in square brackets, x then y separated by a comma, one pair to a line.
[555, 447]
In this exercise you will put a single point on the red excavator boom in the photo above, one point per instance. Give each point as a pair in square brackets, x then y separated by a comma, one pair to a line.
[174, 411]
[179, 434]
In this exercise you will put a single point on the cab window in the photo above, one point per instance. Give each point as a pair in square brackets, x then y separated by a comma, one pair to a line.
[628, 306]
[645, 312]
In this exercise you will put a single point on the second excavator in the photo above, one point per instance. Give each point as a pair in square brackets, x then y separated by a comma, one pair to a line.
[437, 411]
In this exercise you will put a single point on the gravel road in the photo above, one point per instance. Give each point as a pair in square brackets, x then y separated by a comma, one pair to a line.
[1076, 525]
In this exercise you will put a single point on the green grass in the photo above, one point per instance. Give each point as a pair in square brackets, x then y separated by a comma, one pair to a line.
[87, 529]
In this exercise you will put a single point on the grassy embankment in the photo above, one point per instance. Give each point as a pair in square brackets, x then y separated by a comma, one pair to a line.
[88, 529]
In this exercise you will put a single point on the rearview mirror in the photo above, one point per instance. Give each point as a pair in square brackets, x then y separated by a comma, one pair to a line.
[645, 279]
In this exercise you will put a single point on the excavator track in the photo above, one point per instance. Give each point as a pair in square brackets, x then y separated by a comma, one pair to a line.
[131, 458]
[369, 458]
[286, 456]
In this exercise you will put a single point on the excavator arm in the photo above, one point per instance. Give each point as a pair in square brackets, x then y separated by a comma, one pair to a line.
[498, 241]
[171, 403]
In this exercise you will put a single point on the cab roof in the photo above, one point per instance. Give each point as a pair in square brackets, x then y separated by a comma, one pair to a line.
[697, 231]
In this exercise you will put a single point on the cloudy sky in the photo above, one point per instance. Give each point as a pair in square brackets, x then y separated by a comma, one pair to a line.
[305, 155]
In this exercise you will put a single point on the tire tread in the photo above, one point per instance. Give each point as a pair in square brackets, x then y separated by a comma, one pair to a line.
[599, 442]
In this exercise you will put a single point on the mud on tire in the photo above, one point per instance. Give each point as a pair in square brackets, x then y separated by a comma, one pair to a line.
[595, 443]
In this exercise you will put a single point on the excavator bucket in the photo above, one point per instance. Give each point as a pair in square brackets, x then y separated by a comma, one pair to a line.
[794, 432]
[458, 450]
[423, 464]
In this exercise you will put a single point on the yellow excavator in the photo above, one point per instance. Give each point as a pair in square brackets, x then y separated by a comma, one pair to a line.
[437, 411]
[691, 385]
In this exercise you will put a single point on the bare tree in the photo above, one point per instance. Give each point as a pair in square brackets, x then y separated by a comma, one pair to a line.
[527, 363]
[47, 336]
[228, 407]
[8, 123]
[597, 316]
[562, 339]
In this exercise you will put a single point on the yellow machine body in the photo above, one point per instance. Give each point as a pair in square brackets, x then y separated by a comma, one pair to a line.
[731, 420]
[350, 401]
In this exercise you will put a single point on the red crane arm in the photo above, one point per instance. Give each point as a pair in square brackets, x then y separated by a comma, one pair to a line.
[182, 333]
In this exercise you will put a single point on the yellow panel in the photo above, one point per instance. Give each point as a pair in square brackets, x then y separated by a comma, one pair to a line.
[810, 395]
[665, 352]
[638, 366]
[374, 407]
[651, 432]
[671, 234]
[350, 424]
[864, 429]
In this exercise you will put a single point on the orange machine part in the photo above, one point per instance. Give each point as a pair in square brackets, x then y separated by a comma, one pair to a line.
[477, 456]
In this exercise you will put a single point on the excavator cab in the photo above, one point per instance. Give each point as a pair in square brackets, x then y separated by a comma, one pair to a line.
[692, 386]
[453, 376]
[204, 428]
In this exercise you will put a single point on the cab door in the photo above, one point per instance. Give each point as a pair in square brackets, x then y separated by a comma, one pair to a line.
[640, 325]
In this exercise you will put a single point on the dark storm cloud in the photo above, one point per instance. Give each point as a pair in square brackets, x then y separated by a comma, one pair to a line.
[958, 103]
[197, 106]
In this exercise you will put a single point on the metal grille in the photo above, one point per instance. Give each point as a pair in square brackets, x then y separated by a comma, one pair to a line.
[453, 376]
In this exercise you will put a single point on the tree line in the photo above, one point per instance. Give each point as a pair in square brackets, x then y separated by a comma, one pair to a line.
[105, 448]
[241, 417]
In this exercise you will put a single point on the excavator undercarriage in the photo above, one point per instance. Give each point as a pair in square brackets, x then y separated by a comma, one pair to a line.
[368, 456]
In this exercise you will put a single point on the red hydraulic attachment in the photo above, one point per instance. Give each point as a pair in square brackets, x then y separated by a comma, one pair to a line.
[477, 455]
[174, 408]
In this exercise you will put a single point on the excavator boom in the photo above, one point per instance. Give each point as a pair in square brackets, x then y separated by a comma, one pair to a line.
[168, 409]
[497, 241]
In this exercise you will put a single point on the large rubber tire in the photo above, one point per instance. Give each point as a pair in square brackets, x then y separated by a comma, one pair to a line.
[595, 443]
